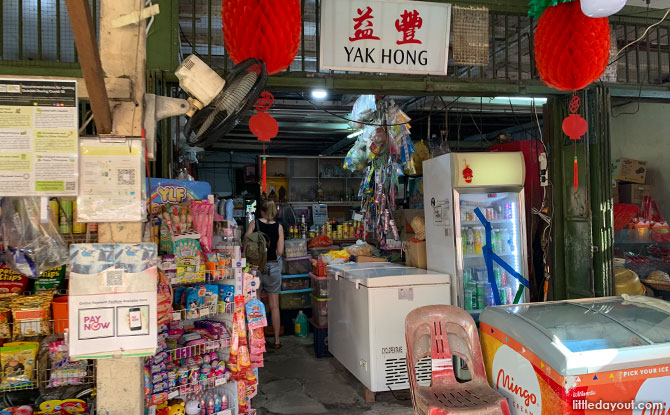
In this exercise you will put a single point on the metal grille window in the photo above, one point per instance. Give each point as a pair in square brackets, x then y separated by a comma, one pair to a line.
[471, 36]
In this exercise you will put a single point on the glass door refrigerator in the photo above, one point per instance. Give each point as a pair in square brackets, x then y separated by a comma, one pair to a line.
[475, 226]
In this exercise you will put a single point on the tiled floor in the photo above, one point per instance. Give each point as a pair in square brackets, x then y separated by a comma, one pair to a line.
[294, 381]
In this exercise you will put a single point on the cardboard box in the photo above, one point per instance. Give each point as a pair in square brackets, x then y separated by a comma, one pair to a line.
[362, 258]
[629, 170]
[416, 255]
[633, 193]
[403, 220]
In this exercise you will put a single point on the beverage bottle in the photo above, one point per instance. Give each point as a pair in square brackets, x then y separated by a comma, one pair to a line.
[301, 325]
[303, 227]
[471, 242]
[504, 241]
[478, 240]
[494, 240]
[464, 239]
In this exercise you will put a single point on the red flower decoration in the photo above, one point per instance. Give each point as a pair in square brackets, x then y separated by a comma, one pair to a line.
[268, 30]
[571, 49]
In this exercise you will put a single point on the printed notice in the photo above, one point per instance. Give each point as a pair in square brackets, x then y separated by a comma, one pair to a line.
[39, 153]
[111, 182]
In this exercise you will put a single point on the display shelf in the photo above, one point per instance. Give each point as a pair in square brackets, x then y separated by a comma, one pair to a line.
[72, 377]
[80, 238]
[492, 222]
[331, 203]
[197, 386]
[198, 349]
[192, 314]
[201, 277]
[286, 277]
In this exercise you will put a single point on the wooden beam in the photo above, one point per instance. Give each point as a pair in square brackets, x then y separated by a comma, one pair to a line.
[83, 31]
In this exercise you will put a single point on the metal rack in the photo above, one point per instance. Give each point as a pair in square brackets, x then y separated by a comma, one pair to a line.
[201, 277]
[198, 349]
[196, 387]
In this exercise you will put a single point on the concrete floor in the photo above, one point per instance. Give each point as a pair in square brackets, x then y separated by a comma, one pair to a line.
[294, 381]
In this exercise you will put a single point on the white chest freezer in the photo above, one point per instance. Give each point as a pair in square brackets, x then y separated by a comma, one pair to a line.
[594, 356]
[366, 319]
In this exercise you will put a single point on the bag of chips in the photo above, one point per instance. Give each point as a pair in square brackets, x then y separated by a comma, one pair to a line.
[31, 315]
[18, 364]
[12, 281]
[53, 279]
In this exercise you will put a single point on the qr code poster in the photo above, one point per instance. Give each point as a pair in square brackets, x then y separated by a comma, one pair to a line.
[110, 185]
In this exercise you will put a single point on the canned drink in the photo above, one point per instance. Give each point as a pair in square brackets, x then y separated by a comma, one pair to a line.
[503, 296]
[481, 303]
[503, 278]
[54, 212]
[470, 299]
[467, 275]
[490, 214]
[498, 277]
[490, 300]
[481, 289]
[77, 227]
[509, 295]
[65, 216]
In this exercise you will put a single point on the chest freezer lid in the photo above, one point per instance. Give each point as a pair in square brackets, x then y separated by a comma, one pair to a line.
[591, 335]
[398, 276]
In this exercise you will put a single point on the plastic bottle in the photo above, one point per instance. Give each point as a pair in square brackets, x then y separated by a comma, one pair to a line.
[471, 242]
[478, 240]
[504, 241]
[301, 325]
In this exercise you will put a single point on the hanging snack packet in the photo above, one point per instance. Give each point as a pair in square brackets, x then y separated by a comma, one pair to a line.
[31, 315]
[256, 314]
[18, 364]
[12, 281]
[53, 279]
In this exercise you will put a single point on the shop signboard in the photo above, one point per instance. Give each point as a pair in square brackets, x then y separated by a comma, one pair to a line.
[38, 137]
[533, 387]
[385, 36]
[169, 191]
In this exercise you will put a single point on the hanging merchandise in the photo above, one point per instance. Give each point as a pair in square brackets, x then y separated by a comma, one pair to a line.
[262, 29]
[32, 246]
[571, 49]
[388, 150]
[262, 125]
[575, 127]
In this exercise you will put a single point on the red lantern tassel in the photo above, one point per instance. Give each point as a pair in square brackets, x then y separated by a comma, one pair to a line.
[576, 175]
[265, 184]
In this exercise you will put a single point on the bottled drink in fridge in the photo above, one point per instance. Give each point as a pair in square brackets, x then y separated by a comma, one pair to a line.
[504, 238]
[478, 240]
[471, 242]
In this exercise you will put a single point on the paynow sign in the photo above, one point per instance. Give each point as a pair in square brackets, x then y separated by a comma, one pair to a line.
[385, 36]
[532, 387]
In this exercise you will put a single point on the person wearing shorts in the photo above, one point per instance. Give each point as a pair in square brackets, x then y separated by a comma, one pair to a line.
[271, 276]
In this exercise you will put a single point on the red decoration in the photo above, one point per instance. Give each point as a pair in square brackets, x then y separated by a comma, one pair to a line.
[571, 49]
[574, 126]
[268, 30]
[263, 126]
[467, 174]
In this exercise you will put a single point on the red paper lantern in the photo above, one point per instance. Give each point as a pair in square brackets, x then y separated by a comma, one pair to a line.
[575, 126]
[263, 126]
[571, 49]
[268, 30]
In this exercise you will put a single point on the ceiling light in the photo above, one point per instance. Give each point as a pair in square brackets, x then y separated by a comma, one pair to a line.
[355, 134]
[319, 94]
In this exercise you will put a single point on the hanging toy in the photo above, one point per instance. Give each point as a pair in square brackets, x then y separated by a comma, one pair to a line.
[574, 126]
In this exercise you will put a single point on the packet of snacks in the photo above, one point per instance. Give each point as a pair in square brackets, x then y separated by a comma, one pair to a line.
[18, 364]
[31, 315]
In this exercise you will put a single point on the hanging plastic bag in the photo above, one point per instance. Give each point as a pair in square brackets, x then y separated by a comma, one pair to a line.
[32, 247]
[420, 155]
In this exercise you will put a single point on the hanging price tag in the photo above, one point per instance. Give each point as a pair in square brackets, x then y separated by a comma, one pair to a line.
[176, 315]
[173, 394]
[204, 312]
[220, 381]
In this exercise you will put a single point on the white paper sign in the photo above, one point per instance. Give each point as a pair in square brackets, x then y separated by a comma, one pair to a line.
[111, 182]
[385, 36]
[39, 130]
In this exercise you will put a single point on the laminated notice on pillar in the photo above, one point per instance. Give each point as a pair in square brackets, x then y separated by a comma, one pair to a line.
[111, 182]
[385, 36]
[39, 130]
[112, 300]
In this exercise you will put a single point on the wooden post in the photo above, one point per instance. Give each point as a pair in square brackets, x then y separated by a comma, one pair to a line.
[83, 31]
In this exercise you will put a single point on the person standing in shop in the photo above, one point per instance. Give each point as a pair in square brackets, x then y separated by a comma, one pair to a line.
[271, 277]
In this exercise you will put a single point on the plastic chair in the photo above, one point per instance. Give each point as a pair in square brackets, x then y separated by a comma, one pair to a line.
[434, 331]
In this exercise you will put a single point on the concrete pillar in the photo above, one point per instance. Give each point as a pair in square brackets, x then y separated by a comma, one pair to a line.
[120, 384]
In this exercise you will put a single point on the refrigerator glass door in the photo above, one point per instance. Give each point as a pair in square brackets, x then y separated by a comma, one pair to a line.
[504, 211]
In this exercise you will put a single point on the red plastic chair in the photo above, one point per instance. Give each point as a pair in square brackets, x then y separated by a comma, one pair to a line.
[442, 332]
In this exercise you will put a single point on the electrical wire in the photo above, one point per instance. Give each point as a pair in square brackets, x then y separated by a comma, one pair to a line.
[667, 12]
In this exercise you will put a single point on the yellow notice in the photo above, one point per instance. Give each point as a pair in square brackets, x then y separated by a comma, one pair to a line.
[56, 141]
[15, 163]
[16, 117]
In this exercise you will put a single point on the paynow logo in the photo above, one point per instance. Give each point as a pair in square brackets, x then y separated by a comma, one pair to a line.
[654, 391]
[93, 323]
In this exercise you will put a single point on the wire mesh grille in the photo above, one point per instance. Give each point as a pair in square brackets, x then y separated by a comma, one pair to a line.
[36, 31]
[471, 36]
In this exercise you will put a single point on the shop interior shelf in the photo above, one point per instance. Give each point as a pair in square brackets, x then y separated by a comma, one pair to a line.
[201, 277]
[196, 387]
[492, 222]
[635, 237]
[194, 314]
[198, 349]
